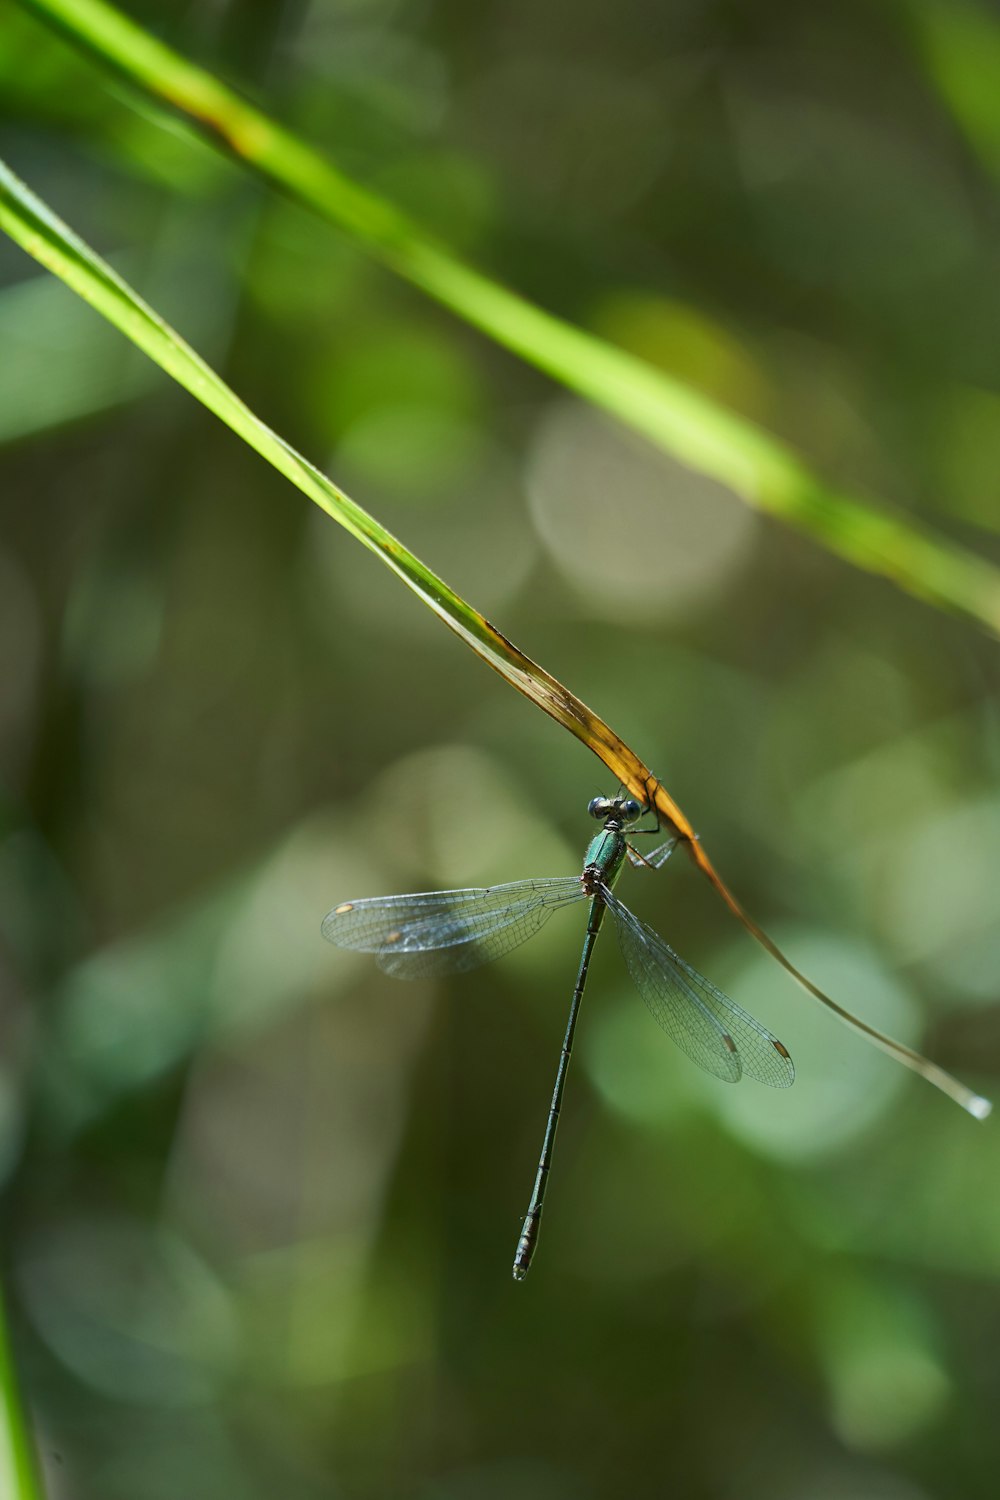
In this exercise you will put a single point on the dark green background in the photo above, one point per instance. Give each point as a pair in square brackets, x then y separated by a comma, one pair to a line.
[261, 1201]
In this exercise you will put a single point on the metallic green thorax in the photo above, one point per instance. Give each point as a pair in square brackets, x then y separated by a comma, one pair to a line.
[606, 851]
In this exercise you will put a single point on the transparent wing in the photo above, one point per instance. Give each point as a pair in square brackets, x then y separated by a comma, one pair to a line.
[715, 1033]
[444, 932]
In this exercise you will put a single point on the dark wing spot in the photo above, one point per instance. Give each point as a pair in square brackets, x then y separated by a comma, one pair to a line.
[780, 1048]
[727, 1039]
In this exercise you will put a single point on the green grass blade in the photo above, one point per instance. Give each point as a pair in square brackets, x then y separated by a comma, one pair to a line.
[18, 1469]
[683, 422]
[31, 223]
[960, 47]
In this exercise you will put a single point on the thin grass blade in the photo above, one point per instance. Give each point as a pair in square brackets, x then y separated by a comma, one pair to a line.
[19, 1472]
[763, 471]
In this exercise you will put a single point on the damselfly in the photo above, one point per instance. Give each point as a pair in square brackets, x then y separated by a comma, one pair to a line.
[446, 932]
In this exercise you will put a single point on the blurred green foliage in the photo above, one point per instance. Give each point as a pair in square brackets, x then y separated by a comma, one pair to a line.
[260, 1201]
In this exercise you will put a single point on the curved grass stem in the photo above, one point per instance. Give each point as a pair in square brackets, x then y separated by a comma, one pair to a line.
[754, 464]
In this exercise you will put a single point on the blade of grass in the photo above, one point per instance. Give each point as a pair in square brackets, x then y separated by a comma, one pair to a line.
[33, 226]
[757, 466]
[18, 1470]
[959, 45]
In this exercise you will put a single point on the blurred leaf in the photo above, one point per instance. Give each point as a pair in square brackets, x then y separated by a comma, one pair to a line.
[969, 452]
[18, 1475]
[960, 44]
[886, 1377]
[674, 415]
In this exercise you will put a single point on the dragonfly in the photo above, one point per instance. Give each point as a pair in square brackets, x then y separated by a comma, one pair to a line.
[447, 932]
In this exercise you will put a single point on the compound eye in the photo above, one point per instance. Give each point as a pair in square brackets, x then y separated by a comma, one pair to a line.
[631, 809]
[598, 807]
